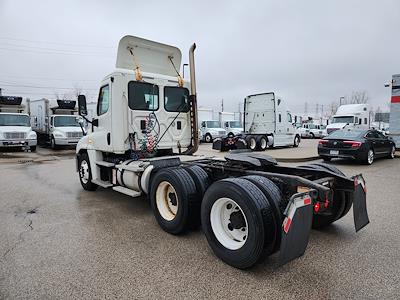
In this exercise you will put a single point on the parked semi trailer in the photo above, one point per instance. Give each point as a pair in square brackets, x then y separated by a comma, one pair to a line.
[267, 123]
[142, 144]
[56, 122]
[15, 126]
[394, 121]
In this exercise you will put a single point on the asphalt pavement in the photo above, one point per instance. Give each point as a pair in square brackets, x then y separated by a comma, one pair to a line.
[61, 242]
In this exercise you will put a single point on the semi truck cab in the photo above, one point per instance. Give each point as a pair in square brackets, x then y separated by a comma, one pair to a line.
[15, 127]
[211, 130]
[350, 116]
[233, 127]
[65, 130]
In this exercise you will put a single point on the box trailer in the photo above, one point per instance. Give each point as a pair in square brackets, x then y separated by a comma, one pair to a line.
[56, 122]
[15, 126]
[143, 141]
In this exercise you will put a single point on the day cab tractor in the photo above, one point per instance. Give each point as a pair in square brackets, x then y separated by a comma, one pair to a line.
[143, 143]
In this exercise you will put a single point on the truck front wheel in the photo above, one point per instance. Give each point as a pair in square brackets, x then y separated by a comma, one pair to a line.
[85, 173]
[53, 144]
[208, 138]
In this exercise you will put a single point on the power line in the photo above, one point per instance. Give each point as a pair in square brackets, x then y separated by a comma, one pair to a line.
[44, 87]
[49, 49]
[48, 78]
[50, 52]
[55, 43]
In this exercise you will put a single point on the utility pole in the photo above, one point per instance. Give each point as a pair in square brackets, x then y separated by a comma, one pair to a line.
[222, 105]
[306, 108]
[340, 100]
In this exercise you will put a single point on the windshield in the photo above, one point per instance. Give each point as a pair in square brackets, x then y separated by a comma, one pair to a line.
[348, 119]
[213, 124]
[176, 99]
[235, 124]
[346, 134]
[14, 120]
[66, 121]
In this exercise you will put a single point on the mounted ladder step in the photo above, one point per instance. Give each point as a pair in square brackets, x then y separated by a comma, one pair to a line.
[105, 163]
[104, 184]
[127, 191]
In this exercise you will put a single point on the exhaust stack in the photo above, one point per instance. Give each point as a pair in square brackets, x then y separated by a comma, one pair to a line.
[193, 98]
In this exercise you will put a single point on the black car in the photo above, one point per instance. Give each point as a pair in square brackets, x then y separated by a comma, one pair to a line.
[361, 145]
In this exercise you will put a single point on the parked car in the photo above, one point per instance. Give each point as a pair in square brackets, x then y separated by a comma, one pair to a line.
[359, 144]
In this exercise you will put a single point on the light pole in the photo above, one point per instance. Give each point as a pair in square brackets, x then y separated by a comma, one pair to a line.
[340, 100]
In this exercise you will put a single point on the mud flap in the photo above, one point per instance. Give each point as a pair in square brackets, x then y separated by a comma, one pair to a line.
[360, 203]
[296, 227]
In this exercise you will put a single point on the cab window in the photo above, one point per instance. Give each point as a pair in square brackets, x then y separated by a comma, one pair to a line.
[289, 118]
[176, 99]
[142, 96]
[104, 100]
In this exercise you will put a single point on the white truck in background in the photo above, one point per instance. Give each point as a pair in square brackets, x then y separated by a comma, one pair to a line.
[350, 116]
[56, 122]
[15, 126]
[232, 127]
[312, 130]
[209, 127]
[267, 123]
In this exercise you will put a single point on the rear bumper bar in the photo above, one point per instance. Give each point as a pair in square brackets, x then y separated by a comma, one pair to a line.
[296, 226]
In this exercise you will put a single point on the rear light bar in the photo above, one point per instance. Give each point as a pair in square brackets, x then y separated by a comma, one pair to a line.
[353, 144]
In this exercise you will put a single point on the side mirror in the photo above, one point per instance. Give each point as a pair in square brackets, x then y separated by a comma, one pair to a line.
[82, 110]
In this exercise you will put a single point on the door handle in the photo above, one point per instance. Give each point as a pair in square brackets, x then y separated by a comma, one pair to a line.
[108, 138]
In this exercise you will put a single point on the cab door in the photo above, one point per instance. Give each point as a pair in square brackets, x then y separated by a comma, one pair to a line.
[101, 136]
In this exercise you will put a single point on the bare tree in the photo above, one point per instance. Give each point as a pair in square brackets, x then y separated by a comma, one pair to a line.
[333, 108]
[359, 97]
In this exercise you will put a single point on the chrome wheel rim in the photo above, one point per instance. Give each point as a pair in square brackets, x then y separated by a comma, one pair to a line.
[393, 153]
[229, 223]
[253, 143]
[263, 144]
[84, 171]
[167, 200]
[208, 138]
[370, 157]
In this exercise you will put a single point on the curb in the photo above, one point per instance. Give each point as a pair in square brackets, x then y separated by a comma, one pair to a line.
[294, 160]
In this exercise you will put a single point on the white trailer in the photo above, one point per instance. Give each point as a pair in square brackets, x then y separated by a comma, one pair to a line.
[56, 122]
[15, 126]
[350, 116]
[143, 141]
[394, 120]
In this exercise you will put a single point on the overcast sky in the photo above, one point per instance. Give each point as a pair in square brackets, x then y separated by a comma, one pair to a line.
[305, 51]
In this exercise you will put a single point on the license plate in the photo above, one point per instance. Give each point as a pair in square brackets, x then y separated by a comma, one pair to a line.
[334, 152]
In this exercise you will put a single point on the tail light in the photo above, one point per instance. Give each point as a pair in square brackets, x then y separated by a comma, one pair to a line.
[353, 144]
[316, 207]
[322, 142]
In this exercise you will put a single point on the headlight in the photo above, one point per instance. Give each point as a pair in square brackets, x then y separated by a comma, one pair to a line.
[32, 135]
[59, 134]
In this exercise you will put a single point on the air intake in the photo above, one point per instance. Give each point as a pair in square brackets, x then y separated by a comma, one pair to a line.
[66, 104]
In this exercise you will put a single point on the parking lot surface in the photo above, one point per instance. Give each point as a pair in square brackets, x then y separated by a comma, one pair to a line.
[61, 242]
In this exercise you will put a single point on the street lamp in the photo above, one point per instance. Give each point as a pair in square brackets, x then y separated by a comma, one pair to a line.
[340, 100]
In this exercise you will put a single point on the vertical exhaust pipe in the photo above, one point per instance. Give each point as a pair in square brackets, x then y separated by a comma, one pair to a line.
[193, 98]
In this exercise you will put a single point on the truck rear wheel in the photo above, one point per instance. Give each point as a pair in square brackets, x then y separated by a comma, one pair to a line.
[202, 182]
[277, 203]
[262, 142]
[296, 141]
[85, 173]
[252, 143]
[238, 221]
[173, 199]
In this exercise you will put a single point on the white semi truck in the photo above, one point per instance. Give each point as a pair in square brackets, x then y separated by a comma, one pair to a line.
[350, 116]
[267, 123]
[15, 126]
[209, 127]
[56, 122]
[142, 144]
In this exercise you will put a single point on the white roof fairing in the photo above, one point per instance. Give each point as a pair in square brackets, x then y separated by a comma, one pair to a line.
[149, 56]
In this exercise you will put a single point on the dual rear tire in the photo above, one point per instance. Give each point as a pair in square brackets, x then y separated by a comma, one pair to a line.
[241, 217]
[257, 142]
